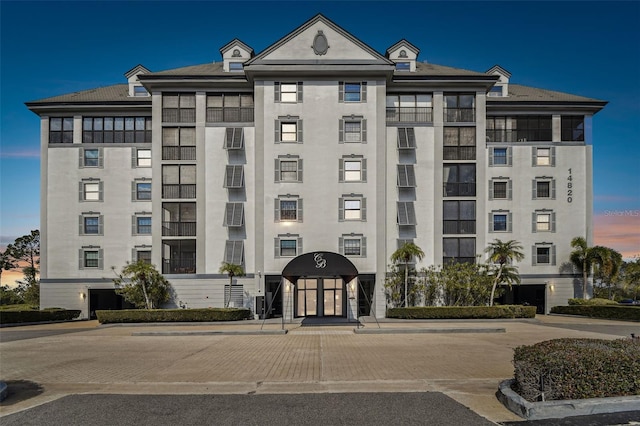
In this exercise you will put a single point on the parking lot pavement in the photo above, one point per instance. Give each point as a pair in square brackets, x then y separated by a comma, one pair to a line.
[466, 367]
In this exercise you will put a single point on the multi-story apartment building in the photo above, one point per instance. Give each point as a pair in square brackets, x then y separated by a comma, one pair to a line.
[309, 164]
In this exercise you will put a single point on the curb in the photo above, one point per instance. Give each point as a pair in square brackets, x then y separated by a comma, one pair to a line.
[210, 333]
[426, 330]
[563, 408]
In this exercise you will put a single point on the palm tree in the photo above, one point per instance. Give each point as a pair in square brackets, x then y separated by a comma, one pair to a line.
[232, 270]
[608, 262]
[583, 257]
[404, 255]
[504, 253]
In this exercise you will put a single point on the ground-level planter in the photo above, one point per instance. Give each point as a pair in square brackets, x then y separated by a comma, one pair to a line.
[563, 408]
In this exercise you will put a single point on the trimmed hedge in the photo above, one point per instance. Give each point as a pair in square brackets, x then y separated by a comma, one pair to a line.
[462, 312]
[617, 312]
[173, 315]
[577, 368]
[47, 315]
[594, 301]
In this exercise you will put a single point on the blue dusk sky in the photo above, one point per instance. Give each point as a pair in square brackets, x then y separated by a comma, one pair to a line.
[590, 49]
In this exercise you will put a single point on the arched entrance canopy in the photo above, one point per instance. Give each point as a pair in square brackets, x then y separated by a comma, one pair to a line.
[320, 263]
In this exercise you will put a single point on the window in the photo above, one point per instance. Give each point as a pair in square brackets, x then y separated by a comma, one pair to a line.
[500, 156]
[459, 180]
[543, 254]
[235, 66]
[544, 188]
[91, 157]
[409, 108]
[352, 207]
[61, 130]
[141, 191]
[91, 224]
[459, 143]
[141, 157]
[572, 128]
[90, 257]
[406, 176]
[288, 169]
[179, 219]
[91, 190]
[544, 156]
[495, 91]
[352, 92]
[459, 250]
[459, 108]
[529, 128]
[352, 245]
[142, 255]
[459, 217]
[352, 129]
[352, 169]
[403, 66]
[179, 256]
[178, 143]
[234, 176]
[406, 213]
[116, 130]
[406, 138]
[234, 215]
[288, 92]
[234, 138]
[543, 221]
[230, 107]
[288, 209]
[234, 252]
[500, 189]
[179, 108]
[288, 129]
[140, 91]
[179, 181]
[500, 221]
[287, 245]
[141, 225]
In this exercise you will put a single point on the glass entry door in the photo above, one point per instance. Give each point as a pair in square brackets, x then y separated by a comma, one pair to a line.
[307, 295]
[332, 295]
[331, 300]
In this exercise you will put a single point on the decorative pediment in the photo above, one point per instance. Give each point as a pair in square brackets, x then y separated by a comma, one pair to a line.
[135, 87]
[234, 54]
[404, 55]
[501, 87]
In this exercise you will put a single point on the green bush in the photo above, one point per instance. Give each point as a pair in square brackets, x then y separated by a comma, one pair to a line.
[589, 302]
[577, 368]
[25, 316]
[173, 315]
[462, 312]
[617, 312]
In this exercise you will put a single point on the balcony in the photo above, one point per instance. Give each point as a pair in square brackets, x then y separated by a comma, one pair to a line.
[179, 191]
[178, 115]
[460, 189]
[178, 152]
[459, 227]
[409, 114]
[178, 266]
[459, 115]
[459, 153]
[178, 229]
[229, 114]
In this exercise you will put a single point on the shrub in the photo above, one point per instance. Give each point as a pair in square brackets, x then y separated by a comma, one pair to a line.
[462, 312]
[173, 315]
[577, 368]
[24, 316]
[594, 301]
[629, 313]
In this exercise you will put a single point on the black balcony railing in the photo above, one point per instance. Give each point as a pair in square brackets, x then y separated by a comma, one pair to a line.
[410, 114]
[178, 229]
[532, 135]
[178, 266]
[459, 153]
[457, 115]
[459, 227]
[459, 189]
[446, 260]
[178, 115]
[178, 152]
[179, 191]
[229, 114]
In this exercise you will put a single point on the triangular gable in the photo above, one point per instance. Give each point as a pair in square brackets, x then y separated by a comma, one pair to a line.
[319, 39]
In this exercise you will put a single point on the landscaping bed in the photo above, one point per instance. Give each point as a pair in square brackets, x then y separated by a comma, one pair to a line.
[616, 312]
[462, 312]
[173, 315]
[28, 316]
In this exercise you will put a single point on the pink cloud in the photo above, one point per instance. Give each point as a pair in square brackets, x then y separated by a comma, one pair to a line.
[619, 230]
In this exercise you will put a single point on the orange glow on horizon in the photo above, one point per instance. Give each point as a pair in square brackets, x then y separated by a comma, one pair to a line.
[620, 232]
